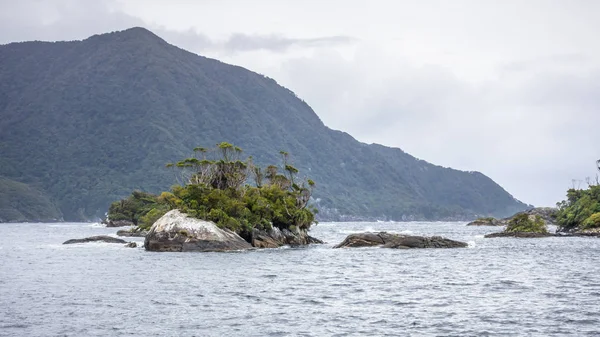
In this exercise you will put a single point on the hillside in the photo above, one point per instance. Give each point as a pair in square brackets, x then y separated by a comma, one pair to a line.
[20, 202]
[88, 121]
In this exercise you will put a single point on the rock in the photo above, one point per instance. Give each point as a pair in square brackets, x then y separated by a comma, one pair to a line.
[176, 232]
[119, 223]
[132, 233]
[588, 232]
[519, 235]
[397, 241]
[275, 237]
[131, 245]
[548, 214]
[485, 222]
[101, 238]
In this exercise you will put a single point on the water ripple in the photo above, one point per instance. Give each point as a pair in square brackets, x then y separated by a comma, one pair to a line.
[496, 287]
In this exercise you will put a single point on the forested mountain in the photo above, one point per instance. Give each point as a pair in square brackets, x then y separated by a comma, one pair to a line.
[86, 122]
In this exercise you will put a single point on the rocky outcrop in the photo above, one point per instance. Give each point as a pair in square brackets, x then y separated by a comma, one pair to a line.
[275, 237]
[176, 232]
[132, 233]
[119, 223]
[397, 241]
[486, 222]
[519, 235]
[99, 238]
[548, 214]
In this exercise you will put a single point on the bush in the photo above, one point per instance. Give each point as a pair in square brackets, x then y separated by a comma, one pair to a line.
[592, 222]
[522, 223]
[579, 210]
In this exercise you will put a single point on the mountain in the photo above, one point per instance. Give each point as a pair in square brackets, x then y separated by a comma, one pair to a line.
[86, 122]
[20, 202]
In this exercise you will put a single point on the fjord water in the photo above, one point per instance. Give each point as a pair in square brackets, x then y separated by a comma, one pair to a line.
[496, 287]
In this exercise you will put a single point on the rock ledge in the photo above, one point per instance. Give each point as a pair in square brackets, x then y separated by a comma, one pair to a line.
[398, 241]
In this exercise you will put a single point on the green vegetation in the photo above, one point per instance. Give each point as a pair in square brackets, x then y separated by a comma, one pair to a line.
[581, 210]
[20, 202]
[486, 219]
[523, 223]
[87, 122]
[218, 190]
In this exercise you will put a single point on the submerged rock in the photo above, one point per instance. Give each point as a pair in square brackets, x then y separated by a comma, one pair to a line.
[99, 238]
[131, 245]
[177, 232]
[275, 237]
[397, 241]
[486, 222]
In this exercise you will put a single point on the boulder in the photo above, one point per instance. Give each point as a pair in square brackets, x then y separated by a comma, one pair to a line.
[548, 214]
[119, 223]
[397, 241]
[485, 222]
[99, 238]
[131, 245]
[177, 232]
[275, 237]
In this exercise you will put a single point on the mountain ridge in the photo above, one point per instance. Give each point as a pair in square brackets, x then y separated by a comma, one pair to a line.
[137, 102]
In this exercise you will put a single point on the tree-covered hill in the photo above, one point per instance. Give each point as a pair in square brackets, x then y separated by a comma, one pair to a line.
[20, 202]
[89, 121]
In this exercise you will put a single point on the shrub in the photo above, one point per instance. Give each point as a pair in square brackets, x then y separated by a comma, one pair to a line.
[522, 223]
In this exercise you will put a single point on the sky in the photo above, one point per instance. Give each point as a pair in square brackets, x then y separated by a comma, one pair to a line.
[508, 88]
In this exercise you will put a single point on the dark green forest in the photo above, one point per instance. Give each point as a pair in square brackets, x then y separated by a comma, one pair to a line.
[86, 122]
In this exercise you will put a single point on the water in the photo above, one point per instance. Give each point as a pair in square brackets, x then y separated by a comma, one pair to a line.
[496, 287]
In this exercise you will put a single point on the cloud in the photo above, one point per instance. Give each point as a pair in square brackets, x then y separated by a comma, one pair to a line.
[532, 131]
[241, 42]
[76, 20]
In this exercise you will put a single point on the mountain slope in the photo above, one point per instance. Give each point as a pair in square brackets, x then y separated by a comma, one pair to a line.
[20, 202]
[91, 120]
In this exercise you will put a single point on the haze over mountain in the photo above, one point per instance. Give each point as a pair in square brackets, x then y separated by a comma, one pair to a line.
[85, 122]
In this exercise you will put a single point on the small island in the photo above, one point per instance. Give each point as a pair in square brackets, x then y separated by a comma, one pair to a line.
[225, 204]
[524, 225]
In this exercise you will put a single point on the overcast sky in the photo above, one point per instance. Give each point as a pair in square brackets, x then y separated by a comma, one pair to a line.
[510, 88]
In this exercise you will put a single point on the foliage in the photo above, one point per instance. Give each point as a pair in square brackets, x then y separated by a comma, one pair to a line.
[580, 210]
[522, 223]
[487, 219]
[87, 122]
[141, 208]
[216, 190]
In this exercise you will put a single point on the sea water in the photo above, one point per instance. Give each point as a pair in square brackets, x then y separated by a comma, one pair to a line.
[495, 287]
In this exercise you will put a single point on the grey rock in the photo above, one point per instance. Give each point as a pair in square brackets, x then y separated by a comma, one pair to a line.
[119, 223]
[548, 214]
[397, 241]
[275, 237]
[176, 232]
[486, 222]
[131, 245]
[99, 238]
